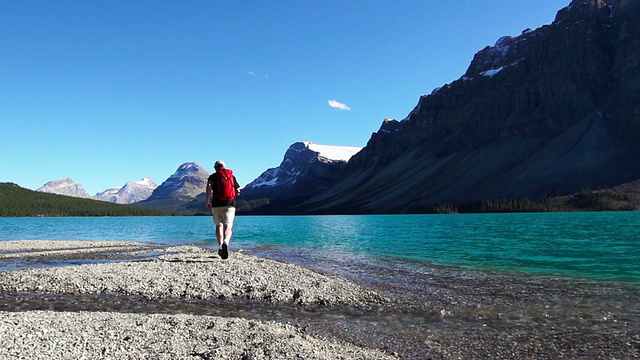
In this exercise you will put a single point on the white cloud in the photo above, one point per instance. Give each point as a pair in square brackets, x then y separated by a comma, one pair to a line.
[254, 74]
[338, 105]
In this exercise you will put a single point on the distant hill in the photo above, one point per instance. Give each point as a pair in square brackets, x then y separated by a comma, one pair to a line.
[16, 201]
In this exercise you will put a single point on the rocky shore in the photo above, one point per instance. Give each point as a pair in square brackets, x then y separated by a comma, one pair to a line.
[93, 335]
[184, 272]
[189, 272]
[125, 300]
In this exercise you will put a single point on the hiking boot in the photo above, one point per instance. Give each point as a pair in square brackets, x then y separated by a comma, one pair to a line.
[224, 252]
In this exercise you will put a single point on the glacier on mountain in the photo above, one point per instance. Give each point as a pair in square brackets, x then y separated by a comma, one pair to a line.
[332, 152]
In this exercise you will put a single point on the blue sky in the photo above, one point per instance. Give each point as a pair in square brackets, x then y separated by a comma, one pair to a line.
[110, 91]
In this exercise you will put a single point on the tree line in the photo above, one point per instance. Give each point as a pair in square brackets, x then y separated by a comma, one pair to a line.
[586, 200]
[16, 201]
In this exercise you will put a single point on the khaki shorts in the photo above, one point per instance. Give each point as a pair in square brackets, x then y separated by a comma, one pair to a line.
[224, 215]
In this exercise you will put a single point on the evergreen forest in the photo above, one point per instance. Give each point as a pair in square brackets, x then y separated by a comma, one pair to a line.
[16, 201]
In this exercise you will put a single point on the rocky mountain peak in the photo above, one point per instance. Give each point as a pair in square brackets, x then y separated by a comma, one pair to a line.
[390, 125]
[131, 192]
[143, 182]
[66, 187]
[189, 180]
[188, 168]
[306, 169]
[587, 10]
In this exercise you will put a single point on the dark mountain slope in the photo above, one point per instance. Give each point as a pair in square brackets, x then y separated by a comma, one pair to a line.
[306, 169]
[552, 111]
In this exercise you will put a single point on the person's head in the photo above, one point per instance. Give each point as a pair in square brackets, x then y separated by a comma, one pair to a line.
[219, 165]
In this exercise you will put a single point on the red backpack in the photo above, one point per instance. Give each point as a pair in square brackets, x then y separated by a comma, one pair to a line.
[225, 187]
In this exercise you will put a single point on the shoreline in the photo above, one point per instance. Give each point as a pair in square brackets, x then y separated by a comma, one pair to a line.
[450, 317]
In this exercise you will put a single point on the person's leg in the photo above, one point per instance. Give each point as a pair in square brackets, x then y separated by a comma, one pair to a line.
[220, 234]
[229, 217]
[217, 220]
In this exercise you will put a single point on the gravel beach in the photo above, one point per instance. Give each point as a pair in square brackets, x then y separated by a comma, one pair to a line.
[125, 300]
[188, 272]
[185, 273]
[92, 335]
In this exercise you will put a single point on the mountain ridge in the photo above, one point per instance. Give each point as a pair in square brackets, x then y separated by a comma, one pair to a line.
[21, 202]
[132, 191]
[551, 111]
[307, 168]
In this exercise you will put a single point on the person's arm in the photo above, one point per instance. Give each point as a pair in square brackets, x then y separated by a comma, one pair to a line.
[208, 194]
[236, 185]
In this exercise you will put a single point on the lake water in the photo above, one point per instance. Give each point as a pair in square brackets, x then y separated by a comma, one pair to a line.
[538, 284]
[587, 246]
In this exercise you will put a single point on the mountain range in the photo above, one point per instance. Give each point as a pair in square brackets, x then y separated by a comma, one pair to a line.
[184, 185]
[552, 112]
[131, 192]
[306, 169]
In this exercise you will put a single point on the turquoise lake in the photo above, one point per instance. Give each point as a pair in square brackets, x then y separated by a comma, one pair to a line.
[597, 246]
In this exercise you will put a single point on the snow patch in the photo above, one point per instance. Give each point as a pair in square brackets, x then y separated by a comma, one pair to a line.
[297, 160]
[491, 72]
[146, 182]
[258, 183]
[331, 152]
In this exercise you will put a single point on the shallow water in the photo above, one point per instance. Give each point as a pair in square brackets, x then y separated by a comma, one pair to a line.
[470, 286]
[445, 314]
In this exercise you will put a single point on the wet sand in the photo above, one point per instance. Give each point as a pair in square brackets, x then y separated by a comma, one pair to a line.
[141, 294]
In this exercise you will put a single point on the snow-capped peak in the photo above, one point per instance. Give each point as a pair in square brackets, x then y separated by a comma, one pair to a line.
[298, 161]
[146, 182]
[188, 167]
[132, 191]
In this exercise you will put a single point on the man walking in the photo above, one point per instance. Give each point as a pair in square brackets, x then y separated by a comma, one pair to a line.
[222, 189]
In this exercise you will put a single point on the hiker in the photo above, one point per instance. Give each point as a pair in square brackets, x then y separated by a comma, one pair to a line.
[222, 189]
